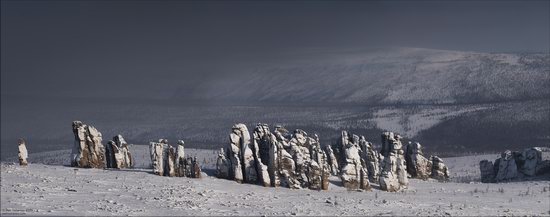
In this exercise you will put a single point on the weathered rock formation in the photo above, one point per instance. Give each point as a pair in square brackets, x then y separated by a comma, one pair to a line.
[196, 169]
[514, 165]
[507, 167]
[284, 160]
[262, 144]
[169, 161]
[87, 152]
[117, 153]
[418, 166]
[487, 171]
[530, 158]
[326, 172]
[239, 139]
[157, 151]
[394, 174]
[332, 161]
[353, 173]
[23, 154]
[223, 165]
[439, 169]
[180, 159]
[170, 169]
[274, 158]
[371, 158]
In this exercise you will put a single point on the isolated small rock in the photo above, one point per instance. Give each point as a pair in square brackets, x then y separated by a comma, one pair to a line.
[23, 155]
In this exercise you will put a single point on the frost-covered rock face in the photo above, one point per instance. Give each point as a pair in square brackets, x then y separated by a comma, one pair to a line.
[285, 162]
[394, 175]
[418, 166]
[326, 172]
[515, 165]
[299, 149]
[439, 169]
[88, 152]
[117, 153]
[180, 159]
[170, 169]
[371, 158]
[487, 171]
[169, 161]
[543, 167]
[331, 160]
[507, 167]
[531, 158]
[23, 154]
[353, 173]
[157, 156]
[238, 152]
[279, 158]
[262, 145]
[195, 168]
[222, 165]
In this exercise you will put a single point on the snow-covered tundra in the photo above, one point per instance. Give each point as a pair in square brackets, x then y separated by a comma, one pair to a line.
[48, 187]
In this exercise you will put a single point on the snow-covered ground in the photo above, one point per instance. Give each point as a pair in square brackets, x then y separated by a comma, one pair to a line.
[49, 187]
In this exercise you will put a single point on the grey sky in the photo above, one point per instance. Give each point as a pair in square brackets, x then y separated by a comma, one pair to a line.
[149, 49]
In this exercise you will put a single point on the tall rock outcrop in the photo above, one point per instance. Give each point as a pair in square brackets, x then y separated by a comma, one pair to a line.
[117, 153]
[439, 169]
[487, 171]
[262, 144]
[394, 174]
[515, 165]
[88, 151]
[169, 161]
[530, 157]
[332, 161]
[371, 158]
[274, 158]
[353, 172]
[158, 153]
[239, 152]
[507, 167]
[285, 162]
[180, 159]
[223, 165]
[418, 166]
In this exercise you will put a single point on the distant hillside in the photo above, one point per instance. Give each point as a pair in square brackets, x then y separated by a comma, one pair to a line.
[398, 75]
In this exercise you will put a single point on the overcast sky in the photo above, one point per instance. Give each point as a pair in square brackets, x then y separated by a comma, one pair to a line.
[150, 48]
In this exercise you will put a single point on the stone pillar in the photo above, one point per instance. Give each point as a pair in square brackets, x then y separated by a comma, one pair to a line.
[23, 154]
[88, 152]
[394, 174]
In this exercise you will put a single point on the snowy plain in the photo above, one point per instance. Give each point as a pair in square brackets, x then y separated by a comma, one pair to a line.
[49, 187]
